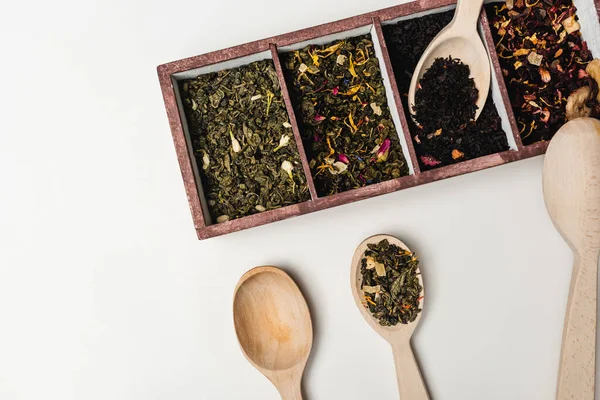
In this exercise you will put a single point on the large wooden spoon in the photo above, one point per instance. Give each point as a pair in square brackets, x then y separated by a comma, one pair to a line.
[461, 40]
[273, 326]
[572, 195]
[410, 381]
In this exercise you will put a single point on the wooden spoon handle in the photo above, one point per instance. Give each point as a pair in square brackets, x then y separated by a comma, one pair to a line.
[577, 371]
[289, 387]
[410, 381]
[467, 15]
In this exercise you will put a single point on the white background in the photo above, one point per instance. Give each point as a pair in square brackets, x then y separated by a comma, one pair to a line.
[105, 293]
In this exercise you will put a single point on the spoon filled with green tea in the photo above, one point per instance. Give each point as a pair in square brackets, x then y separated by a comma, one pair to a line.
[571, 181]
[273, 325]
[387, 287]
[459, 40]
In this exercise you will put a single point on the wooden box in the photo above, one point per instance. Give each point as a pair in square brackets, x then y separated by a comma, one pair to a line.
[588, 13]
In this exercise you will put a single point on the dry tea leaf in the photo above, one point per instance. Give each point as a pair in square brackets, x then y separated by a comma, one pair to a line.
[392, 294]
[238, 118]
[332, 104]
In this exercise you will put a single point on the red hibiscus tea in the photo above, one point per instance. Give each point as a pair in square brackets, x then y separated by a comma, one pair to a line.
[543, 59]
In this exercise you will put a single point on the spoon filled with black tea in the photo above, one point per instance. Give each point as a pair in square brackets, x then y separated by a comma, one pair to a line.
[460, 41]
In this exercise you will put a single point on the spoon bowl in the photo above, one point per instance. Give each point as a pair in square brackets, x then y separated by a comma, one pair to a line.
[410, 380]
[571, 181]
[273, 326]
[459, 39]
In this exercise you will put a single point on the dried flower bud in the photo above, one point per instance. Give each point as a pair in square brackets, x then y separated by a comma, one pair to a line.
[256, 97]
[222, 218]
[545, 74]
[287, 167]
[384, 150]
[235, 145]
[260, 208]
[287, 125]
[571, 25]
[205, 161]
[284, 141]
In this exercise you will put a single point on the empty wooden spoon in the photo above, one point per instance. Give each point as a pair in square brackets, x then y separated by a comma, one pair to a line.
[410, 381]
[461, 40]
[273, 326]
[572, 194]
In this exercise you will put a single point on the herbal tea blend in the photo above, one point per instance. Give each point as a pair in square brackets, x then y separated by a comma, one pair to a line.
[346, 125]
[446, 96]
[390, 283]
[243, 141]
[440, 144]
[543, 60]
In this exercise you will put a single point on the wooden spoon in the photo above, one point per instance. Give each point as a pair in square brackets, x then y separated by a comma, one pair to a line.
[461, 40]
[572, 195]
[273, 326]
[410, 381]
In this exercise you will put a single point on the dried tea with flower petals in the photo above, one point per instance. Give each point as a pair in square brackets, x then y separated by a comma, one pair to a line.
[390, 283]
[539, 81]
[243, 141]
[338, 94]
[439, 145]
